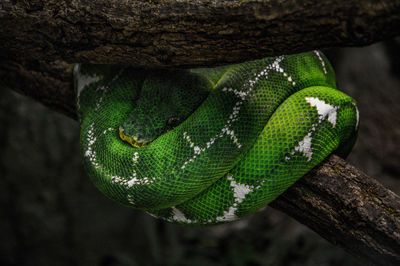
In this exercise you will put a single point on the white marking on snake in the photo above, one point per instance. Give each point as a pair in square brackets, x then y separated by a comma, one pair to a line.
[153, 215]
[133, 179]
[90, 152]
[82, 81]
[324, 109]
[131, 201]
[276, 67]
[322, 61]
[187, 137]
[107, 130]
[239, 193]
[242, 94]
[178, 216]
[116, 179]
[357, 114]
[136, 181]
[135, 157]
[304, 147]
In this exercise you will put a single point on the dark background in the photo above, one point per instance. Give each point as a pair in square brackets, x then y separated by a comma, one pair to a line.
[51, 214]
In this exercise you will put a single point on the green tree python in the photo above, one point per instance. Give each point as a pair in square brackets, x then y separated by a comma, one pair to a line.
[210, 145]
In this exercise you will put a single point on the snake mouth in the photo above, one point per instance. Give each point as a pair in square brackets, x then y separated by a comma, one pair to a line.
[133, 141]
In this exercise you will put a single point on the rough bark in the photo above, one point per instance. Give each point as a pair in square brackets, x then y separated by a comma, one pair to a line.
[349, 209]
[48, 83]
[336, 200]
[184, 33]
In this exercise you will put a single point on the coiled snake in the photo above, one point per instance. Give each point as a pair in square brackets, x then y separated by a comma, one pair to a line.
[207, 146]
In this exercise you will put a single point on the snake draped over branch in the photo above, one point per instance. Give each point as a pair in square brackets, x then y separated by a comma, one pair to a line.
[210, 145]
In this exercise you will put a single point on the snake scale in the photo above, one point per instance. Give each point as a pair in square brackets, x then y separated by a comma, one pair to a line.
[210, 145]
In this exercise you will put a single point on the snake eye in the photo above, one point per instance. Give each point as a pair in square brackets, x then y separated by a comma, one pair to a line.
[173, 122]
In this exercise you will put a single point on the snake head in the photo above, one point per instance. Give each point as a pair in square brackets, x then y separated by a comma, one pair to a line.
[166, 99]
[145, 128]
[140, 130]
[134, 141]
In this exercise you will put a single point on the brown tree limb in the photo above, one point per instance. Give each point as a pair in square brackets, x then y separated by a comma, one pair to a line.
[348, 208]
[48, 83]
[338, 201]
[185, 33]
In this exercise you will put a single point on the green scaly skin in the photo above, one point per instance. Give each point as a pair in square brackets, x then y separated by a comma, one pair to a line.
[208, 146]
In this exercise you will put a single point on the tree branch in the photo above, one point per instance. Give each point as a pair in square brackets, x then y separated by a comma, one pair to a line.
[347, 208]
[48, 83]
[185, 33]
[338, 201]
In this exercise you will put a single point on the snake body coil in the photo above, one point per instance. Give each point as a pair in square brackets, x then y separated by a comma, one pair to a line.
[207, 146]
